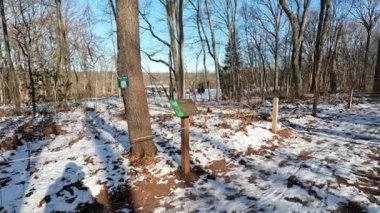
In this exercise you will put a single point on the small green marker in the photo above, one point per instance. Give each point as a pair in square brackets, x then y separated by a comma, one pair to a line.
[123, 82]
[176, 108]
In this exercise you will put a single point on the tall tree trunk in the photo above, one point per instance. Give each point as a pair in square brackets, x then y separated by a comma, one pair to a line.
[181, 46]
[333, 78]
[198, 9]
[321, 34]
[11, 73]
[129, 64]
[170, 12]
[214, 50]
[298, 29]
[171, 86]
[366, 56]
[376, 82]
[296, 73]
[32, 86]
[233, 48]
[276, 59]
[63, 59]
[332, 59]
[26, 48]
[2, 82]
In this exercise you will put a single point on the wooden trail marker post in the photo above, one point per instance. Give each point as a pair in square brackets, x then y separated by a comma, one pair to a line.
[185, 146]
[184, 109]
[349, 105]
[275, 114]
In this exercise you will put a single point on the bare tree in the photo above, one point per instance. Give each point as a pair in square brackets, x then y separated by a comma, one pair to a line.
[12, 80]
[129, 64]
[338, 17]
[214, 48]
[203, 39]
[324, 16]
[174, 12]
[376, 83]
[270, 20]
[63, 58]
[249, 32]
[368, 13]
[298, 23]
[226, 12]
[25, 39]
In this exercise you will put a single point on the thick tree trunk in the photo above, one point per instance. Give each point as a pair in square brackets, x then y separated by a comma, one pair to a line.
[129, 64]
[63, 59]
[296, 73]
[376, 83]
[13, 87]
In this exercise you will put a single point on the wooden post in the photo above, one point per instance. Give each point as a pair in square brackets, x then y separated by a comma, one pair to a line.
[185, 147]
[274, 114]
[349, 106]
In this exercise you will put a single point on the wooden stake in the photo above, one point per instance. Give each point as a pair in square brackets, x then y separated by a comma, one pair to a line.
[274, 114]
[185, 147]
[349, 106]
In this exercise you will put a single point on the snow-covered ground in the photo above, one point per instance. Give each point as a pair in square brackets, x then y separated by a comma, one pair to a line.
[79, 161]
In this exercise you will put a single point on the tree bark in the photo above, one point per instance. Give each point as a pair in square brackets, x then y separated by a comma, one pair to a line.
[333, 58]
[276, 59]
[321, 34]
[172, 13]
[376, 83]
[181, 46]
[63, 60]
[12, 77]
[129, 64]
[366, 55]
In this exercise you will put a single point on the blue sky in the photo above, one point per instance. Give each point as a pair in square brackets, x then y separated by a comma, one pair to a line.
[149, 44]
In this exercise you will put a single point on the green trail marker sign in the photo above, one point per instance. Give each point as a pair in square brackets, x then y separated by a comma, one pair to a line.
[184, 107]
[123, 82]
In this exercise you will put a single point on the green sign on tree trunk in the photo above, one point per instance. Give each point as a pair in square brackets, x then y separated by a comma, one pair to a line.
[123, 82]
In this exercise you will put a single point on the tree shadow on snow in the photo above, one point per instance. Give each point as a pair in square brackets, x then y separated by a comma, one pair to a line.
[116, 191]
[16, 176]
[330, 132]
[68, 190]
[212, 189]
[370, 119]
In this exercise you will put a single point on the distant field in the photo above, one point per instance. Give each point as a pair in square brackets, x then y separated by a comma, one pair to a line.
[190, 79]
